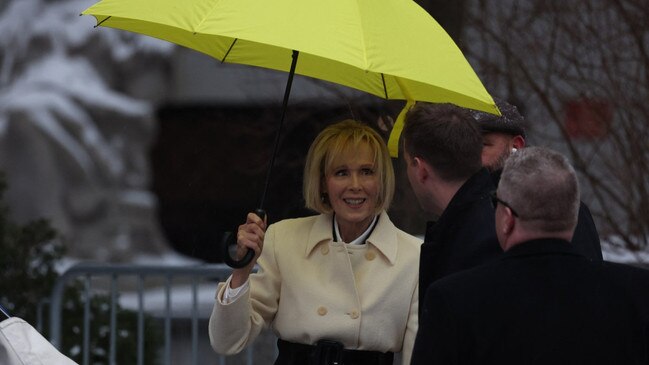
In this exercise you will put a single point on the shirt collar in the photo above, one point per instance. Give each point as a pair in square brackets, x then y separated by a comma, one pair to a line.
[360, 239]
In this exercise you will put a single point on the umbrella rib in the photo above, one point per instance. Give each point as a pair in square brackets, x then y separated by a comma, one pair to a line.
[100, 23]
[385, 89]
[229, 49]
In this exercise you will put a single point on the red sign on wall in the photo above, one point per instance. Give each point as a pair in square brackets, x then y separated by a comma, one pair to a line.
[588, 118]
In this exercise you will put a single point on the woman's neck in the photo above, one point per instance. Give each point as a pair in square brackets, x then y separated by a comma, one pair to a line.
[350, 232]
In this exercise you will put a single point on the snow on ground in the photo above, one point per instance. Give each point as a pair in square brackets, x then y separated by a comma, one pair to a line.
[624, 256]
[613, 250]
[180, 303]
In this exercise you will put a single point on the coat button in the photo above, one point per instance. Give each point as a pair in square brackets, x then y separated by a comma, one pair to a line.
[370, 255]
[322, 311]
[354, 314]
[324, 250]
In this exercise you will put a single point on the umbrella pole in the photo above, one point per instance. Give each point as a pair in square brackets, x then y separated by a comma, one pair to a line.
[260, 210]
[287, 92]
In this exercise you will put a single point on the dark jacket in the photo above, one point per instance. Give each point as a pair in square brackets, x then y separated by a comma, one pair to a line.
[586, 238]
[463, 237]
[540, 303]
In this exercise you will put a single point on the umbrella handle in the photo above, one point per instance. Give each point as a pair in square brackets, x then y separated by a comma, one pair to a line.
[230, 241]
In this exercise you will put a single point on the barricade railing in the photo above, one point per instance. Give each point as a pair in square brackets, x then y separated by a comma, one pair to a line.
[200, 279]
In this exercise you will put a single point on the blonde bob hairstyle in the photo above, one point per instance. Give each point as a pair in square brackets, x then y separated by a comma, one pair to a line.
[336, 141]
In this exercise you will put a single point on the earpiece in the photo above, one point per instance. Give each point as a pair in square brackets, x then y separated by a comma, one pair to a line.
[514, 150]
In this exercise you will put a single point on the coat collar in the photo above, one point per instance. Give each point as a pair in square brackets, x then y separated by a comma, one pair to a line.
[384, 236]
[477, 187]
[542, 246]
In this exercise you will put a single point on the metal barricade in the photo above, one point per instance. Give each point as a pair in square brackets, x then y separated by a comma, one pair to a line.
[200, 279]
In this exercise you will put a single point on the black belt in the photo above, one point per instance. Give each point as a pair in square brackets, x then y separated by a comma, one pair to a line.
[327, 352]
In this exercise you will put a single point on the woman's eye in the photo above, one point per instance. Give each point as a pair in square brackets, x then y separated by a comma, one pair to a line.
[367, 171]
[340, 173]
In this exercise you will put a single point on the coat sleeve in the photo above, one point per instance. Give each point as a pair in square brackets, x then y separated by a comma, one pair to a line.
[234, 326]
[411, 328]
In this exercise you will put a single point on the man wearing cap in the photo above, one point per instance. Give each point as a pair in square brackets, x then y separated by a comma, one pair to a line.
[501, 136]
[504, 135]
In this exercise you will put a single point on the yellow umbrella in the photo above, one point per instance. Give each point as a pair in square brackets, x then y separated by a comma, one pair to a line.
[390, 48]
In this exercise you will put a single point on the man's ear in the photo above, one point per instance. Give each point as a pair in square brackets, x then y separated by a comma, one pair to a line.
[508, 221]
[518, 142]
[505, 225]
[421, 169]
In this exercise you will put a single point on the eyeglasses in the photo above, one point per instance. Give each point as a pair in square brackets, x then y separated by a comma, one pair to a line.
[495, 200]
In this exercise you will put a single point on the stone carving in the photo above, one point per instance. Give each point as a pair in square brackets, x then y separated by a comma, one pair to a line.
[76, 122]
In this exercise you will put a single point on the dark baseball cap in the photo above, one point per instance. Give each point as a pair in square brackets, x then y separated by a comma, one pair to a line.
[511, 122]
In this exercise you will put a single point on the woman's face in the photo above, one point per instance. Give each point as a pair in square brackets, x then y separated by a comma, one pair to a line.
[353, 189]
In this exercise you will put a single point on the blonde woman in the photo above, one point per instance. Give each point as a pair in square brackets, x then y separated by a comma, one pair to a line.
[338, 287]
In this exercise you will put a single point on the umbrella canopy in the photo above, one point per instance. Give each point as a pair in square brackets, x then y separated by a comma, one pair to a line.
[390, 48]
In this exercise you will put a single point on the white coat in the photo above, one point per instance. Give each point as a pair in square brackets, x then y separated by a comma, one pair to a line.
[309, 287]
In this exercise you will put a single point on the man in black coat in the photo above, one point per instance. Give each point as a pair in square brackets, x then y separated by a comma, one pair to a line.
[442, 146]
[542, 302]
[503, 136]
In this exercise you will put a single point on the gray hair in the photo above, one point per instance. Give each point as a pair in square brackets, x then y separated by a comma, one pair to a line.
[541, 185]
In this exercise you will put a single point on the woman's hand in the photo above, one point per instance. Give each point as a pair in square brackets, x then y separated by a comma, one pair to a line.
[249, 236]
